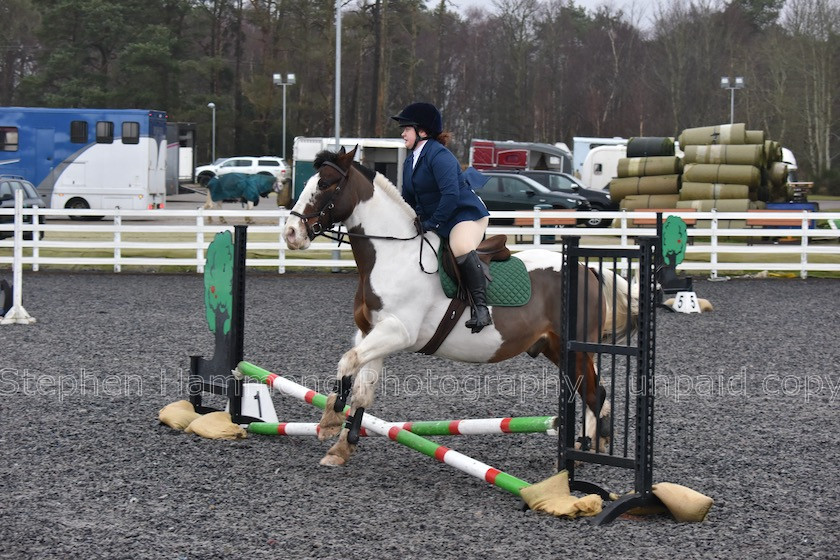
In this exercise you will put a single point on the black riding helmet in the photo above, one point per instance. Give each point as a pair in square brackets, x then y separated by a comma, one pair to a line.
[421, 115]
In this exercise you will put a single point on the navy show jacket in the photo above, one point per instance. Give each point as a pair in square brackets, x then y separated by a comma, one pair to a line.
[438, 191]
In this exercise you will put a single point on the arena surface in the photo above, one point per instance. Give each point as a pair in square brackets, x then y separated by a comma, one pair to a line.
[746, 412]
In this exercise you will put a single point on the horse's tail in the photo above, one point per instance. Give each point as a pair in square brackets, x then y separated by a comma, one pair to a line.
[621, 305]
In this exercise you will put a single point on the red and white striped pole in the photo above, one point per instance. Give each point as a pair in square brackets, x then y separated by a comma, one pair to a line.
[396, 432]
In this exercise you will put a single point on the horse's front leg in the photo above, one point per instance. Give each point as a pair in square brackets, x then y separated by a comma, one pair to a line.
[364, 387]
[596, 403]
[208, 205]
[389, 335]
[248, 219]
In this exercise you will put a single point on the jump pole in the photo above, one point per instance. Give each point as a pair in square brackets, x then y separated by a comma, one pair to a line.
[470, 426]
[374, 425]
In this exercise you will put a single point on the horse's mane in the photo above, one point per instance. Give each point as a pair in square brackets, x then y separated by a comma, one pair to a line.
[378, 180]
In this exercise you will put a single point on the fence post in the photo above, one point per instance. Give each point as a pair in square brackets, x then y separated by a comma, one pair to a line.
[713, 256]
[17, 314]
[623, 227]
[281, 247]
[537, 238]
[199, 241]
[117, 239]
[803, 257]
[36, 237]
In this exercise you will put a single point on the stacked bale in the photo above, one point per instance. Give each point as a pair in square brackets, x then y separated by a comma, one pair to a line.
[649, 177]
[728, 168]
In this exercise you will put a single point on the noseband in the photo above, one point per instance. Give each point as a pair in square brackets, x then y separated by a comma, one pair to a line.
[316, 229]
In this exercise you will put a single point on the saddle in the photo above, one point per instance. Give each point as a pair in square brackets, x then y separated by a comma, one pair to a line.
[512, 286]
[493, 248]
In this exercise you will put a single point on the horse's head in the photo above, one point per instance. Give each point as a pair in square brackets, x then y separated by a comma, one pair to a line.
[277, 187]
[328, 198]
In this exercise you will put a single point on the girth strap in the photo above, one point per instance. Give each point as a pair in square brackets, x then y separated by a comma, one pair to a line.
[456, 306]
[450, 319]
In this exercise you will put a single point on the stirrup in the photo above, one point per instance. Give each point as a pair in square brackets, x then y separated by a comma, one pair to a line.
[473, 322]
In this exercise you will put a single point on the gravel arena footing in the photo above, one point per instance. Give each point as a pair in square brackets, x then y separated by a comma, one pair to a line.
[746, 412]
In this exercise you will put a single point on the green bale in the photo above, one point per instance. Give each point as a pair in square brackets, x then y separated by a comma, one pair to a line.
[649, 166]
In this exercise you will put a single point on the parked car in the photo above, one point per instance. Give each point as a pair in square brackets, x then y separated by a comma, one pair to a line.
[599, 201]
[9, 185]
[511, 191]
[264, 165]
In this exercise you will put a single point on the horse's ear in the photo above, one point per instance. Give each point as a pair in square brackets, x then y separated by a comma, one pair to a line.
[345, 160]
[342, 151]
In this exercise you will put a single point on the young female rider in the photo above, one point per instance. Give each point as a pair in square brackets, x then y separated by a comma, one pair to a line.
[434, 186]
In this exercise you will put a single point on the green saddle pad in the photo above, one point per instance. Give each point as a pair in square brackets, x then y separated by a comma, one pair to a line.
[511, 285]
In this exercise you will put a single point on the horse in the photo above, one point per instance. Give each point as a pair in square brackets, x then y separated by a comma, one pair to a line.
[398, 303]
[242, 187]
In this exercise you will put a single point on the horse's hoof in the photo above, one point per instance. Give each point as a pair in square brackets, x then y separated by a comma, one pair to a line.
[333, 461]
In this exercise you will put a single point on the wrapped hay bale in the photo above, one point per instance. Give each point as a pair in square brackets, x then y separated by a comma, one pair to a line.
[720, 134]
[657, 184]
[639, 201]
[701, 191]
[772, 151]
[721, 205]
[178, 415]
[742, 154]
[777, 173]
[754, 137]
[649, 166]
[719, 173]
[650, 146]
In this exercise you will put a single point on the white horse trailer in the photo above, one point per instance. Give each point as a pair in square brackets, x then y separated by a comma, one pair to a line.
[385, 155]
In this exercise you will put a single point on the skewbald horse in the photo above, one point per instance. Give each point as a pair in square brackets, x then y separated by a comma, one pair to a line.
[398, 305]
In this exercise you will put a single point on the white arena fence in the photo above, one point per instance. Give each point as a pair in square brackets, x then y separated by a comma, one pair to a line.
[156, 239]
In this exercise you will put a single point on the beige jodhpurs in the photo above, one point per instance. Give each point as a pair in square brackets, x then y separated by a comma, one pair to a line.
[466, 236]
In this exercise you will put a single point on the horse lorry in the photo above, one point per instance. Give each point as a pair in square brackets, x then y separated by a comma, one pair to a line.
[492, 155]
[87, 158]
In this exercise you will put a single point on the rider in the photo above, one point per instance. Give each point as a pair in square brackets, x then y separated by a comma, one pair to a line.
[435, 187]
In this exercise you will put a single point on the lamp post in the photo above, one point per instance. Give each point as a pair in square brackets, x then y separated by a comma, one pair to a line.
[212, 107]
[337, 74]
[289, 81]
[726, 83]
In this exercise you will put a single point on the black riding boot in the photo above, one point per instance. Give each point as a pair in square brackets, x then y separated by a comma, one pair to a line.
[472, 273]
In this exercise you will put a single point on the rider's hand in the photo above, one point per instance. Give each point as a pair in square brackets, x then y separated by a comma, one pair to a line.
[429, 226]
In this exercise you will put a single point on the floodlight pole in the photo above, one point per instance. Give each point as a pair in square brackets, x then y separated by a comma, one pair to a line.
[337, 73]
[732, 85]
[279, 80]
[212, 107]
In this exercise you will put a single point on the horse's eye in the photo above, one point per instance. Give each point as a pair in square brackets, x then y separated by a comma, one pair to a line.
[323, 185]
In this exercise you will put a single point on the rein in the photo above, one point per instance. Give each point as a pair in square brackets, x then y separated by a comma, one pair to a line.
[338, 235]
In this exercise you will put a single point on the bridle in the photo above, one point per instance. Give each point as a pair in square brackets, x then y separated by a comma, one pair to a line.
[316, 229]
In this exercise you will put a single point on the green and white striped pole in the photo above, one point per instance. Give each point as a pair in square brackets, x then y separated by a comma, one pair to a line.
[397, 433]
[470, 426]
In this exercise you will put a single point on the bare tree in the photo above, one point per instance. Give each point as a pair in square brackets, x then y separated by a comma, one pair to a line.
[813, 26]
